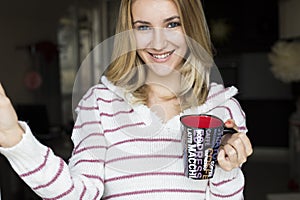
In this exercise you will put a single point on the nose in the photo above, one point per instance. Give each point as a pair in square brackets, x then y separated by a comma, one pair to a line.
[159, 39]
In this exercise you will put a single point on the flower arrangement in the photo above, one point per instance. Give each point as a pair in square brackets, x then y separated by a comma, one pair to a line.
[285, 60]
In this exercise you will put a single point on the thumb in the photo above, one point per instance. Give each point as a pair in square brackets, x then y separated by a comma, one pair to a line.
[221, 155]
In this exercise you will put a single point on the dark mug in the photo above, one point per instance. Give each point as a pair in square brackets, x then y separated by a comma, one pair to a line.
[202, 136]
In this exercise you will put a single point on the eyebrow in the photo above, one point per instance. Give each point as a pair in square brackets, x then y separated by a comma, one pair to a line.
[141, 22]
[171, 18]
[165, 20]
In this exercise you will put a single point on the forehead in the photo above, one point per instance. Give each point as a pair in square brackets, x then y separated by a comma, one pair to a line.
[151, 9]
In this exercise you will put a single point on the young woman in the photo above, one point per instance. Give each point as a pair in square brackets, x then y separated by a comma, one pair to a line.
[127, 137]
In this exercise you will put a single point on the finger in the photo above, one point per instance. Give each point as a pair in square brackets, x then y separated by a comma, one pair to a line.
[223, 161]
[247, 143]
[240, 149]
[231, 154]
[230, 123]
[244, 138]
[2, 92]
[241, 139]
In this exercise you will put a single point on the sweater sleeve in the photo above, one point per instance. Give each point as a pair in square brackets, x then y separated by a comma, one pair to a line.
[224, 184]
[48, 175]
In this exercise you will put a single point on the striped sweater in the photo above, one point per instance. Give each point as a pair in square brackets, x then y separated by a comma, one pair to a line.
[123, 151]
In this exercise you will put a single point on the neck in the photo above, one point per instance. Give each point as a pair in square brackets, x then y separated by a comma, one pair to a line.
[163, 86]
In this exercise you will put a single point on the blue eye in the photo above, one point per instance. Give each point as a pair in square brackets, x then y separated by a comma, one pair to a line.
[173, 25]
[143, 28]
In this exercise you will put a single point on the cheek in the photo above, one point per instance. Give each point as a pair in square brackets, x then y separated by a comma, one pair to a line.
[142, 55]
[178, 39]
[142, 40]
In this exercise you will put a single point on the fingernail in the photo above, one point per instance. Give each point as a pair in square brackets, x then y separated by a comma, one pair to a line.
[228, 123]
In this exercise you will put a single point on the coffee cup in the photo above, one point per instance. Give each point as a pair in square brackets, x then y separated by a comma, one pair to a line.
[202, 136]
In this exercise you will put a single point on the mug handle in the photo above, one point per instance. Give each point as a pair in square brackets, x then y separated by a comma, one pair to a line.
[229, 130]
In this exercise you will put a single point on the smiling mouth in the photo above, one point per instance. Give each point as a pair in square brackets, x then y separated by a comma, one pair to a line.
[162, 56]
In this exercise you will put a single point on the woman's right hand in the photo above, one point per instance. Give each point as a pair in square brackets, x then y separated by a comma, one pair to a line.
[10, 130]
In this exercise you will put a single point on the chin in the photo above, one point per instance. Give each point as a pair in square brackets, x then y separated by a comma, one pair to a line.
[161, 69]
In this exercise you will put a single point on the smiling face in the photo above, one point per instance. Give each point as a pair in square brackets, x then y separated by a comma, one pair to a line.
[159, 35]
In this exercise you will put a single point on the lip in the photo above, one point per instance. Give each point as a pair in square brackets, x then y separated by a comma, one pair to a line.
[161, 57]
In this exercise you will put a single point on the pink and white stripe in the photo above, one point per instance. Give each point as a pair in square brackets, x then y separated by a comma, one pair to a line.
[96, 132]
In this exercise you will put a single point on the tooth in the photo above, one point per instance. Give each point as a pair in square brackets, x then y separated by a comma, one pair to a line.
[161, 56]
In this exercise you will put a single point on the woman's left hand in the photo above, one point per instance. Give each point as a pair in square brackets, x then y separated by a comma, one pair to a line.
[235, 148]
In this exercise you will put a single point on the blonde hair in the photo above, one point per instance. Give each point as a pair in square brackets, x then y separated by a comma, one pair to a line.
[126, 69]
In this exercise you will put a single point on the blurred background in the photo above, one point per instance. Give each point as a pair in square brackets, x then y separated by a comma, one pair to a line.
[43, 44]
